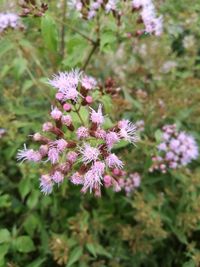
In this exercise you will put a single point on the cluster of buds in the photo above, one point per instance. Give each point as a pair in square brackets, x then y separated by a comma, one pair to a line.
[152, 23]
[79, 146]
[131, 183]
[89, 9]
[30, 7]
[10, 21]
[111, 88]
[177, 149]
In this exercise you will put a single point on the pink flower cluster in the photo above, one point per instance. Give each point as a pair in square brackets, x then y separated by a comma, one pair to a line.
[9, 20]
[177, 149]
[152, 23]
[80, 150]
[131, 183]
[93, 7]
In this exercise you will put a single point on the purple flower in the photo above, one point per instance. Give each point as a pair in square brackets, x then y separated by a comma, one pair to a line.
[127, 131]
[88, 82]
[114, 162]
[82, 132]
[77, 178]
[53, 155]
[28, 154]
[57, 177]
[97, 116]
[111, 139]
[56, 114]
[46, 184]
[89, 153]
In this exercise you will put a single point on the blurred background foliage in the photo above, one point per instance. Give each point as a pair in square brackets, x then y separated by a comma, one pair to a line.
[159, 82]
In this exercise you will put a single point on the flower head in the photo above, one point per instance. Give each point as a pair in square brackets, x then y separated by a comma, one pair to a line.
[127, 131]
[28, 154]
[46, 184]
[88, 82]
[89, 153]
[113, 161]
[97, 116]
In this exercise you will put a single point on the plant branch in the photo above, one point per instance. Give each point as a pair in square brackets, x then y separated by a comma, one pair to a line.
[94, 47]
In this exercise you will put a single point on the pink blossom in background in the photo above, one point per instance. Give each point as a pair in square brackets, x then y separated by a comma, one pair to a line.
[176, 149]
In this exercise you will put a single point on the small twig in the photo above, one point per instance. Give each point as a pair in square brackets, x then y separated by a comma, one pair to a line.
[94, 47]
[76, 31]
[78, 113]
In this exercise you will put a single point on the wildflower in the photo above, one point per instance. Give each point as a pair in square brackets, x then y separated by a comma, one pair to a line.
[113, 161]
[59, 144]
[97, 116]
[56, 114]
[82, 132]
[88, 82]
[89, 153]
[28, 154]
[111, 139]
[72, 156]
[66, 120]
[178, 149]
[57, 177]
[127, 131]
[76, 178]
[9, 20]
[46, 184]
[53, 155]
[47, 126]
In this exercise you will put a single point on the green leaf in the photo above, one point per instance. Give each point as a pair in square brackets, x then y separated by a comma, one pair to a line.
[33, 199]
[121, 144]
[24, 187]
[190, 263]
[102, 251]
[3, 251]
[36, 263]
[108, 39]
[4, 236]
[24, 244]
[91, 249]
[158, 135]
[49, 32]
[75, 255]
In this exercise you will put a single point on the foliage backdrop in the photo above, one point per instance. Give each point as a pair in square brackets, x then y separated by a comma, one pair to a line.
[159, 81]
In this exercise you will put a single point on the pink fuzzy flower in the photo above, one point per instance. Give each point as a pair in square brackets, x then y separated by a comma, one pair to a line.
[114, 162]
[57, 177]
[77, 178]
[29, 154]
[56, 113]
[127, 131]
[65, 80]
[97, 116]
[59, 144]
[47, 126]
[82, 132]
[89, 153]
[107, 180]
[66, 120]
[88, 82]
[46, 184]
[53, 155]
[111, 139]
[72, 156]
[100, 133]
[92, 180]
